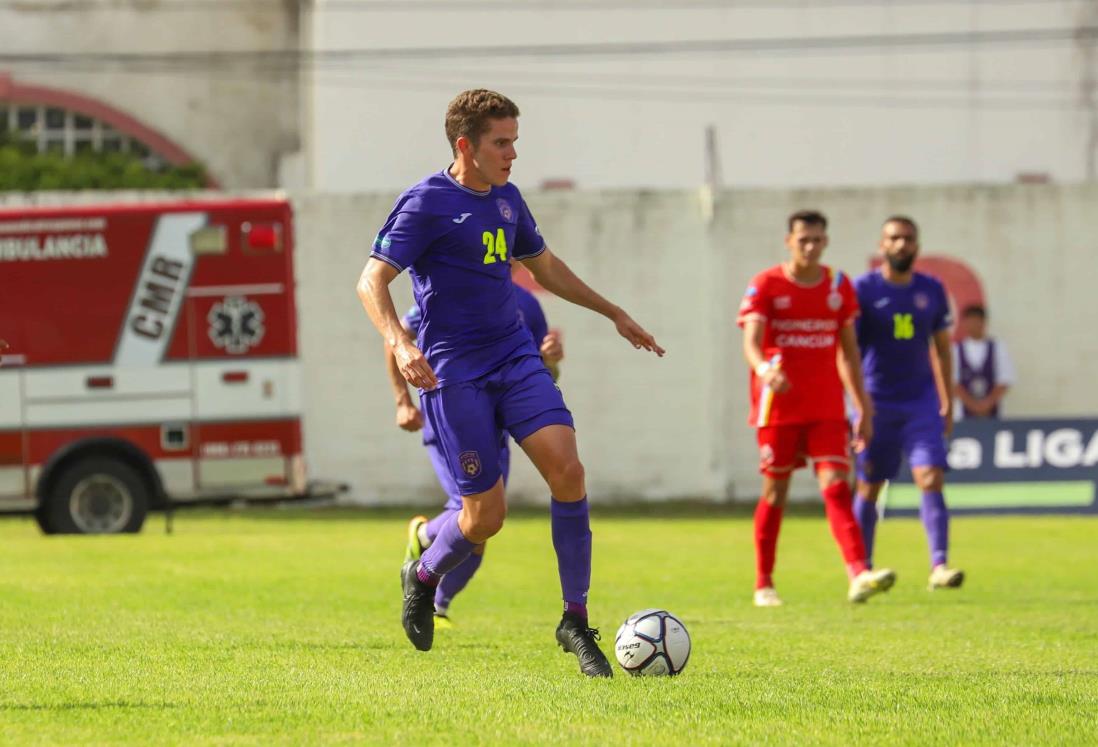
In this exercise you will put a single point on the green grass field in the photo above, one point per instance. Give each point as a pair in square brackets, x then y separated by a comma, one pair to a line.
[282, 627]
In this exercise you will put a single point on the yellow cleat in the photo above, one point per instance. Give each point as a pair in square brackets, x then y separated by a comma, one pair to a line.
[443, 622]
[414, 548]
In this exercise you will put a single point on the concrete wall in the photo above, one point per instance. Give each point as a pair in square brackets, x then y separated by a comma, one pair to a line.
[846, 114]
[239, 122]
[676, 427]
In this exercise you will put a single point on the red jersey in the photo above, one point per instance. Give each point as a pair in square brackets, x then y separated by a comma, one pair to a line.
[802, 337]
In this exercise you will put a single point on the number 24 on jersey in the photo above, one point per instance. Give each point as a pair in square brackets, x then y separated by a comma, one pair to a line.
[495, 246]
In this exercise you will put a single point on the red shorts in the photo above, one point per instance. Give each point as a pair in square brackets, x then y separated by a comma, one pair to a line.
[784, 448]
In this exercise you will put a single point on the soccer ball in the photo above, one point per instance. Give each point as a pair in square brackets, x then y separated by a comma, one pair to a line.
[652, 642]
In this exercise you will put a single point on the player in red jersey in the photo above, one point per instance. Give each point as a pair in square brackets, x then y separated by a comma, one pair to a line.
[798, 331]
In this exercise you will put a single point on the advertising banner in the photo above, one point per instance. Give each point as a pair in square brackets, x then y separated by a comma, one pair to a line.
[1014, 466]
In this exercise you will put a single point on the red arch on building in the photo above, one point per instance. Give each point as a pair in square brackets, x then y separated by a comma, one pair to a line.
[20, 93]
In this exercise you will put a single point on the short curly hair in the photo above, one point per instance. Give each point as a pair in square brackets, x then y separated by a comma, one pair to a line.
[470, 111]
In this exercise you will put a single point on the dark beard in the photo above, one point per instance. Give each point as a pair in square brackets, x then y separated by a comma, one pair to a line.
[901, 264]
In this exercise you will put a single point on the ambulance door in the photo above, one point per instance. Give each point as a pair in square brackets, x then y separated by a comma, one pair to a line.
[14, 490]
[245, 369]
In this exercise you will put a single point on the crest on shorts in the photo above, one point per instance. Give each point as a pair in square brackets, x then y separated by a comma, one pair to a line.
[766, 455]
[470, 463]
[505, 210]
[834, 300]
[921, 301]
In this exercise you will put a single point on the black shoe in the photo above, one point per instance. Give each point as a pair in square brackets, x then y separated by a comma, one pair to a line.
[418, 612]
[575, 637]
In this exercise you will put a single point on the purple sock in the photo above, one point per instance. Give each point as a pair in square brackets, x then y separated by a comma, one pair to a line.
[572, 541]
[935, 518]
[434, 526]
[445, 553]
[455, 581]
[866, 514]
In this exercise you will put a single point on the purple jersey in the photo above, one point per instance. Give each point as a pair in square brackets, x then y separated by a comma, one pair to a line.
[894, 334]
[459, 244]
[530, 314]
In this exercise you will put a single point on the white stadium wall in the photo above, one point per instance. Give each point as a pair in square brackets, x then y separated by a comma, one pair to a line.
[655, 429]
[798, 93]
[675, 428]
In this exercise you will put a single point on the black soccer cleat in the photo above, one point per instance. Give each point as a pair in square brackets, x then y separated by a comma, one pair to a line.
[575, 637]
[418, 612]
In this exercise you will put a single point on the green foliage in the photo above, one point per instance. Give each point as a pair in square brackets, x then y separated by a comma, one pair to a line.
[22, 169]
[283, 627]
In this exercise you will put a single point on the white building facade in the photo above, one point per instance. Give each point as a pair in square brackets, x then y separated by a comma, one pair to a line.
[619, 94]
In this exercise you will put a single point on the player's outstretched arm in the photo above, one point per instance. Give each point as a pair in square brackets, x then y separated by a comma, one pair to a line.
[850, 371]
[408, 416]
[557, 278]
[373, 291]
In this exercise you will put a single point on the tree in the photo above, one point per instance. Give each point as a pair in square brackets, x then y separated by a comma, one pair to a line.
[23, 169]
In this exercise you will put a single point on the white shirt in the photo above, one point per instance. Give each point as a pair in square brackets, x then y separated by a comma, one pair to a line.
[976, 354]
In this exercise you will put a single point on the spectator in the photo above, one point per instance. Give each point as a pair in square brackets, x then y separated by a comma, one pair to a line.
[984, 371]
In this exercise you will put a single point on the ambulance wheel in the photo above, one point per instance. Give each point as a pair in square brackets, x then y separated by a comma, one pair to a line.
[97, 496]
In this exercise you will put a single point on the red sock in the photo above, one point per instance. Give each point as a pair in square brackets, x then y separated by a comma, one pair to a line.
[840, 515]
[768, 520]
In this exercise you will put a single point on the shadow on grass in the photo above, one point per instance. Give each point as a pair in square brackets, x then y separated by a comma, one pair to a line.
[673, 510]
[85, 706]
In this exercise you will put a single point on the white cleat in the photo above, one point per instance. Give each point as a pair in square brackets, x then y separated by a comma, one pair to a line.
[870, 582]
[945, 578]
[767, 597]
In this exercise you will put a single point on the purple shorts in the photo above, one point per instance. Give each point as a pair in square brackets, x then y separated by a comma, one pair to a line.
[470, 422]
[442, 468]
[918, 435]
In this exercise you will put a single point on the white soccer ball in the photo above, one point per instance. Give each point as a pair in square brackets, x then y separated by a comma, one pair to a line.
[651, 643]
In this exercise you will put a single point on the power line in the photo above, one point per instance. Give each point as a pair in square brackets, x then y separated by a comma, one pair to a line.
[679, 95]
[649, 81]
[799, 83]
[353, 6]
[683, 93]
[288, 58]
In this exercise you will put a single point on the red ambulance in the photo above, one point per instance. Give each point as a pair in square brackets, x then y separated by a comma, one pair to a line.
[148, 358]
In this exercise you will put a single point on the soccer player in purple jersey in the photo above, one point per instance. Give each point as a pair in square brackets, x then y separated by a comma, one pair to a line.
[477, 367]
[421, 531]
[903, 333]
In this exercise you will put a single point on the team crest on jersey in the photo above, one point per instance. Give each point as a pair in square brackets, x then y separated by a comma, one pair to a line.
[470, 463]
[783, 302]
[505, 210]
[236, 324]
[921, 301]
[834, 300]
